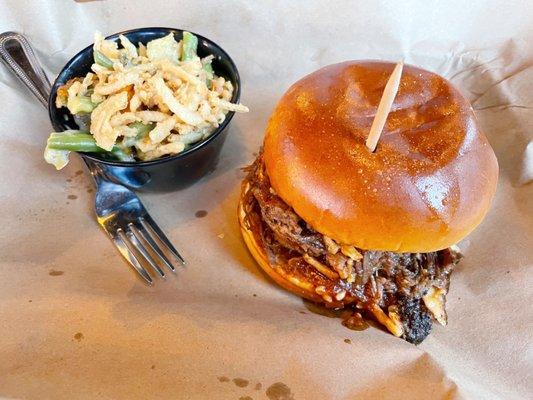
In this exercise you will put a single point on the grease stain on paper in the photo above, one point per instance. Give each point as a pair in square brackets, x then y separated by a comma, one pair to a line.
[351, 320]
[279, 391]
[276, 391]
[240, 382]
[200, 213]
[321, 310]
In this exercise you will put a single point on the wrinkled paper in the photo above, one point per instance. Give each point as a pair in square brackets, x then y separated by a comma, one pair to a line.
[75, 321]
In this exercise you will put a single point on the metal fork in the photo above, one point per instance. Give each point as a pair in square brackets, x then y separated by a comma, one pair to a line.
[118, 209]
[138, 238]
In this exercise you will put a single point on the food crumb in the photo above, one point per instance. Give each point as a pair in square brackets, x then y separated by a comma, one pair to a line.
[78, 336]
[223, 379]
[152, 367]
[69, 180]
[303, 312]
[221, 236]
[72, 197]
[53, 272]
[78, 172]
[90, 190]
[254, 295]
[347, 341]
[30, 300]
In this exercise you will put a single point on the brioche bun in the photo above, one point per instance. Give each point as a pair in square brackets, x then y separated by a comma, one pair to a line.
[429, 183]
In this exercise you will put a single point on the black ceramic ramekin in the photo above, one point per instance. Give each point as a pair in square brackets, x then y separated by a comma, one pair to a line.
[168, 173]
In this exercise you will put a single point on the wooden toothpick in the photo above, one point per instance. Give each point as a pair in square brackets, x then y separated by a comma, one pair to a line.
[385, 104]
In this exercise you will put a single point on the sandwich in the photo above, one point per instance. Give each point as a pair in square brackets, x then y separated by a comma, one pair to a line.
[374, 232]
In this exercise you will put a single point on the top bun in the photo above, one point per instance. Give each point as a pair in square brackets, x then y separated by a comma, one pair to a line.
[429, 183]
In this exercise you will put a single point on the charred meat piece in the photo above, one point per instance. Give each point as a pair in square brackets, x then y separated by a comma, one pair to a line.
[415, 318]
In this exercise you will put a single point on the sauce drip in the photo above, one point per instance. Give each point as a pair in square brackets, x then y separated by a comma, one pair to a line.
[355, 322]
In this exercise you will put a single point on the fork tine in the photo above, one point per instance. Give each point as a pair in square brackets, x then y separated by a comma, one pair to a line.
[141, 231]
[130, 257]
[147, 221]
[141, 249]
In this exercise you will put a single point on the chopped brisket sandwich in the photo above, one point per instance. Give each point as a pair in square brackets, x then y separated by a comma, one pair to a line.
[373, 231]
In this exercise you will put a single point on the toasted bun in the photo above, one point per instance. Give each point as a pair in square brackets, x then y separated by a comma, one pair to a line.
[429, 183]
[300, 286]
[303, 280]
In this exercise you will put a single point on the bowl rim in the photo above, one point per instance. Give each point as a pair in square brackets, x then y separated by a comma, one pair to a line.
[235, 98]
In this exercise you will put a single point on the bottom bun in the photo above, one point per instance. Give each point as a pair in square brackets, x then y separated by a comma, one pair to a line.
[277, 272]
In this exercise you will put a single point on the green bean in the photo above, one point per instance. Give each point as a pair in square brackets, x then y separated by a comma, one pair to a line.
[120, 154]
[84, 142]
[80, 105]
[208, 68]
[74, 141]
[189, 46]
[190, 138]
[142, 129]
[60, 144]
[102, 60]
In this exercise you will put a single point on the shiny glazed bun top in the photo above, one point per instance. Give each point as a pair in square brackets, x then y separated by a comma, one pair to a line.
[429, 183]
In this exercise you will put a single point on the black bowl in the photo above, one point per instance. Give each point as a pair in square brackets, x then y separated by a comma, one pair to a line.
[168, 173]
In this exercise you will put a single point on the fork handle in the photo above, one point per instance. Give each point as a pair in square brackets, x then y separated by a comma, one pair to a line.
[18, 55]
